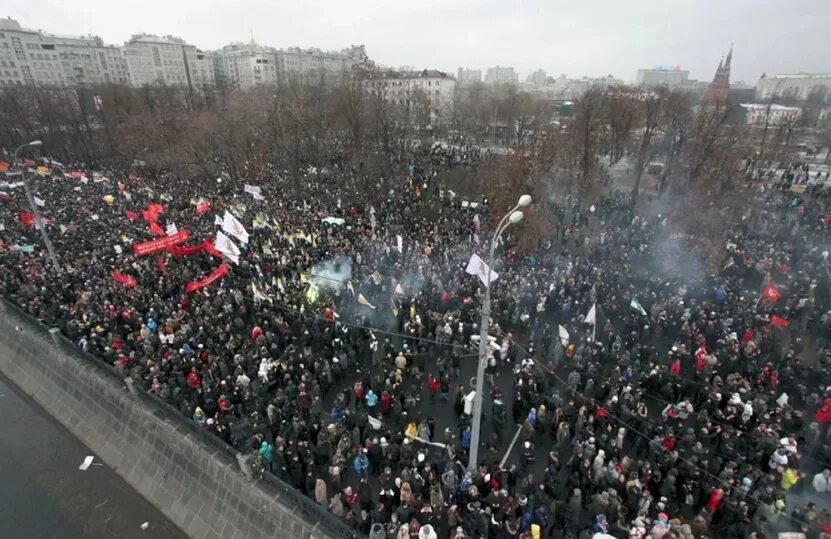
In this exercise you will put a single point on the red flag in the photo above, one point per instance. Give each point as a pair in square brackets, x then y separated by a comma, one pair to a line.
[161, 244]
[121, 185]
[202, 208]
[29, 163]
[4, 196]
[160, 263]
[131, 215]
[27, 219]
[127, 280]
[77, 174]
[778, 322]
[770, 293]
[783, 268]
[156, 230]
[218, 273]
[4, 166]
[132, 177]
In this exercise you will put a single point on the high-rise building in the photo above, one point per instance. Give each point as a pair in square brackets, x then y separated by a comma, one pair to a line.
[32, 57]
[501, 74]
[313, 65]
[538, 77]
[166, 60]
[247, 64]
[468, 76]
[720, 87]
[668, 76]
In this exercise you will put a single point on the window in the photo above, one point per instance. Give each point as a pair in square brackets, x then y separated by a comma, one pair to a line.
[18, 48]
[47, 47]
[27, 75]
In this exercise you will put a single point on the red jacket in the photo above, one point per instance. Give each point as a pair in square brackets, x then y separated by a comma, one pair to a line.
[824, 413]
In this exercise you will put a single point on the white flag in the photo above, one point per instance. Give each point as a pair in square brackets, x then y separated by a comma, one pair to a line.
[39, 202]
[477, 266]
[254, 190]
[171, 229]
[234, 227]
[227, 247]
[564, 338]
[217, 220]
[591, 318]
[399, 243]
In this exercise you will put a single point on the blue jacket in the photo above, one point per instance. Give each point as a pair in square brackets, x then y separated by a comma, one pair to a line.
[267, 452]
[466, 439]
[361, 464]
[371, 399]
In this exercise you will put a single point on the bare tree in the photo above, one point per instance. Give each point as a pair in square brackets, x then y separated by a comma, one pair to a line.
[651, 109]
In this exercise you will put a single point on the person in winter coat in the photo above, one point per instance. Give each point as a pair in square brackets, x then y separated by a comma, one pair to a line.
[361, 464]
[320, 492]
[822, 481]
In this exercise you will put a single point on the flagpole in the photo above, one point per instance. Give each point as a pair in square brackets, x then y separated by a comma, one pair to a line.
[594, 325]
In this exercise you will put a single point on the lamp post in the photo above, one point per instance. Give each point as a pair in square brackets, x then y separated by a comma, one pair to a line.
[30, 196]
[512, 217]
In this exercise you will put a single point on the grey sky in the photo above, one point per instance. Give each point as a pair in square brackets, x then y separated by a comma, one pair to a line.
[586, 37]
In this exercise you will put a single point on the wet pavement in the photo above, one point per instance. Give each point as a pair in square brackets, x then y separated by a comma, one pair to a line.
[45, 495]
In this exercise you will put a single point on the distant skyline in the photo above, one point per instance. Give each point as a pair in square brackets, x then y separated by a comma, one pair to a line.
[589, 38]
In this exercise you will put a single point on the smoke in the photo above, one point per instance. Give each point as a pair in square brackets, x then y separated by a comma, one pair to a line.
[332, 274]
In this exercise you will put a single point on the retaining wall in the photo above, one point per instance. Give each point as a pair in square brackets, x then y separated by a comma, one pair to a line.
[191, 476]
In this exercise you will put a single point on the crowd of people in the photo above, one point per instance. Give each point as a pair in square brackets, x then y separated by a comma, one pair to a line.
[632, 390]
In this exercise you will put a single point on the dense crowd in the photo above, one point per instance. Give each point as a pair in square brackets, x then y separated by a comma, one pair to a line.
[692, 403]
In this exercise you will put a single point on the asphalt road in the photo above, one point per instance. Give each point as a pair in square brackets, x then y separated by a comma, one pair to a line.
[45, 495]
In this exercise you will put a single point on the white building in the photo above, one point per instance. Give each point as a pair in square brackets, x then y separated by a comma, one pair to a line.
[772, 114]
[166, 60]
[500, 74]
[247, 64]
[313, 65]
[468, 76]
[797, 85]
[671, 78]
[410, 88]
[31, 57]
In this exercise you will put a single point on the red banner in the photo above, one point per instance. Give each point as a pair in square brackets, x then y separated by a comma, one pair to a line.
[207, 246]
[218, 273]
[131, 215]
[156, 230]
[127, 280]
[202, 208]
[155, 246]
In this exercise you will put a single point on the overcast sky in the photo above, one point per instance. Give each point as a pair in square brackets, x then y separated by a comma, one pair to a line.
[583, 37]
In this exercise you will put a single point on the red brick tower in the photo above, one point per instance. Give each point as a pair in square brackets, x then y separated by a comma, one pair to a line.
[720, 87]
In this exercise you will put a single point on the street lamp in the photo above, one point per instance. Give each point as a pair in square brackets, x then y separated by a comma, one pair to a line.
[33, 206]
[512, 217]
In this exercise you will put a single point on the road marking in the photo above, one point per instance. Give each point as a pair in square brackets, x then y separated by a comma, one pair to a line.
[510, 447]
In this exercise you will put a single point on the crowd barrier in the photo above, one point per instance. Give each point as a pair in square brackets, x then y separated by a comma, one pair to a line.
[191, 476]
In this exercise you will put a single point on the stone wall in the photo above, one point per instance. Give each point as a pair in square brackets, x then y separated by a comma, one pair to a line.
[189, 475]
